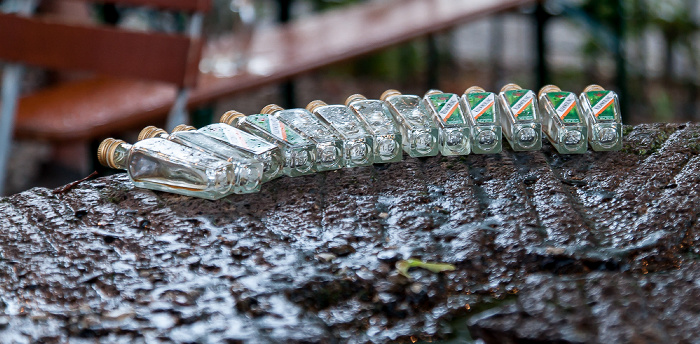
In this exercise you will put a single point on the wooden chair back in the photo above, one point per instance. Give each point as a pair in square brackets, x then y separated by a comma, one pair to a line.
[108, 50]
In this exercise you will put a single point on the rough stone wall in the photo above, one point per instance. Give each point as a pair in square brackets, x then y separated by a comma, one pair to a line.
[596, 248]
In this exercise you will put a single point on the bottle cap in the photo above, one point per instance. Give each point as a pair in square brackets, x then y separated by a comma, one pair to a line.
[105, 152]
[547, 89]
[151, 131]
[388, 93]
[593, 87]
[354, 97]
[315, 105]
[183, 127]
[230, 116]
[270, 109]
[511, 87]
[474, 89]
[433, 91]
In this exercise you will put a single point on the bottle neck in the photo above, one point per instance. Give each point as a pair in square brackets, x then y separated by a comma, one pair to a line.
[121, 155]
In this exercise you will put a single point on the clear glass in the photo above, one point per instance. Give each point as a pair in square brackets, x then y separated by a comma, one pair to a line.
[221, 150]
[357, 142]
[229, 27]
[480, 110]
[455, 135]
[520, 119]
[562, 122]
[385, 132]
[299, 152]
[250, 146]
[601, 111]
[419, 132]
[328, 143]
[163, 165]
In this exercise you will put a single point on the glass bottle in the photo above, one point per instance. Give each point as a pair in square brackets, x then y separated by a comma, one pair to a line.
[250, 145]
[601, 110]
[562, 121]
[385, 132]
[299, 152]
[520, 119]
[357, 142]
[419, 132]
[479, 107]
[454, 130]
[328, 143]
[187, 136]
[163, 165]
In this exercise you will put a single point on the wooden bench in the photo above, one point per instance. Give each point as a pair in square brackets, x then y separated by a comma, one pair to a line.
[88, 109]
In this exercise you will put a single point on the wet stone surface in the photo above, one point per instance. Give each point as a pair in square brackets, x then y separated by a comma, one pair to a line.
[596, 248]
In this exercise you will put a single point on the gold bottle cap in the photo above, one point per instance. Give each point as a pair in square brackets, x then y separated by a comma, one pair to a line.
[270, 109]
[354, 97]
[510, 87]
[315, 105]
[183, 127]
[388, 93]
[230, 116]
[593, 87]
[433, 91]
[547, 89]
[105, 152]
[474, 89]
[151, 131]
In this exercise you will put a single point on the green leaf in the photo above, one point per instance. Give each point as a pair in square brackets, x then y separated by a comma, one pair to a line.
[402, 266]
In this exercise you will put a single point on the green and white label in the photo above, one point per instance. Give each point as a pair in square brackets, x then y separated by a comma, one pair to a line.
[564, 106]
[447, 106]
[276, 128]
[482, 105]
[521, 104]
[602, 104]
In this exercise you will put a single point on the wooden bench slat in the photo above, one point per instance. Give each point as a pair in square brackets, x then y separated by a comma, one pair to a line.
[110, 105]
[182, 5]
[110, 51]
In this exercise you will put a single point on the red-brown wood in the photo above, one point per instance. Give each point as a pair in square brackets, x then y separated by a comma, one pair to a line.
[182, 5]
[105, 50]
[282, 51]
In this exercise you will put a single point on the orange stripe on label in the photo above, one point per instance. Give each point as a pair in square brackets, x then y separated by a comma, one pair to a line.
[567, 110]
[523, 108]
[483, 111]
[605, 107]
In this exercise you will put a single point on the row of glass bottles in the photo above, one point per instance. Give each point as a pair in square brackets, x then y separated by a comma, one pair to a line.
[242, 152]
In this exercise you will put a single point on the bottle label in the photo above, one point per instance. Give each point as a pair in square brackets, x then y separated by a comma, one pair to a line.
[276, 128]
[521, 104]
[247, 141]
[565, 106]
[602, 104]
[482, 106]
[447, 106]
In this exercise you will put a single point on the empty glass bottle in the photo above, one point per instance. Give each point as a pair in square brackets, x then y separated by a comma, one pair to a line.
[561, 120]
[299, 152]
[163, 165]
[520, 119]
[357, 141]
[601, 110]
[479, 107]
[255, 147]
[385, 132]
[188, 136]
[329, 146]
[418, 130]
[454, 130]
